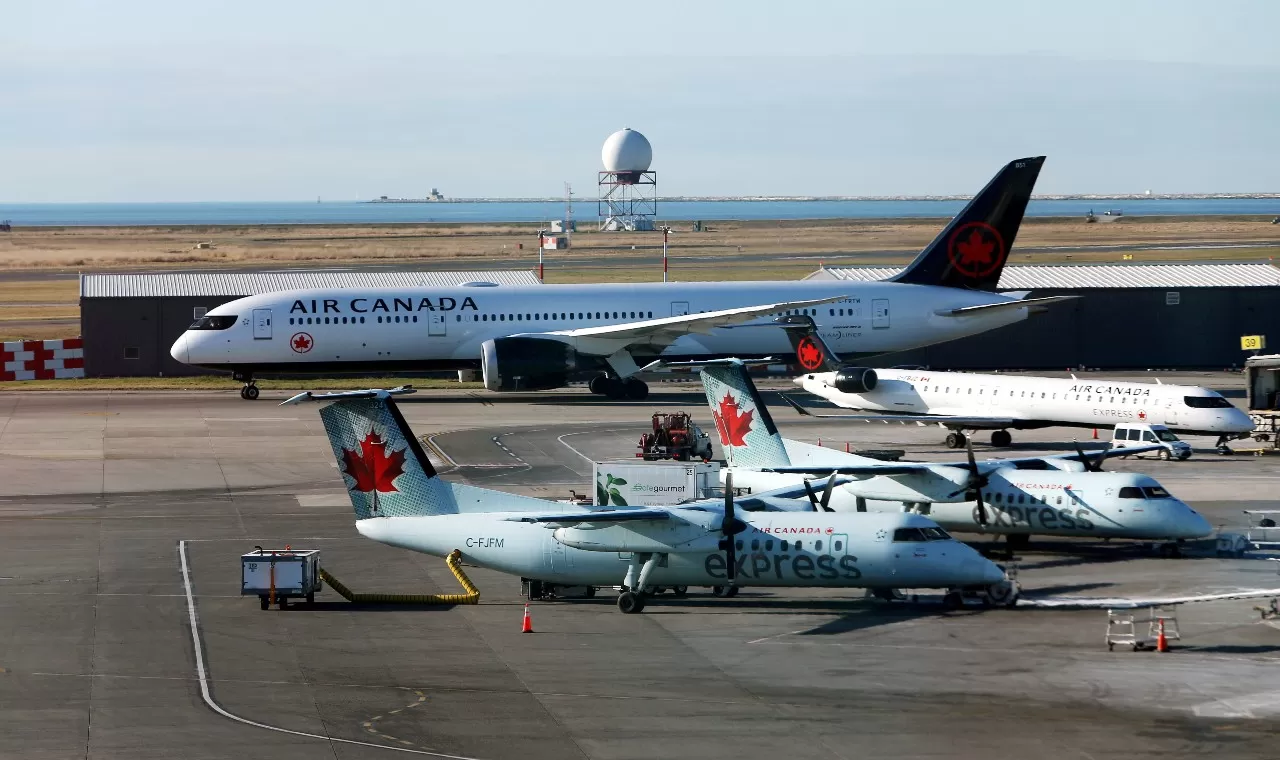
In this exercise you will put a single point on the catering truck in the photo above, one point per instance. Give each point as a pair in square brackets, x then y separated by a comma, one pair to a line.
[654, 484]
[1262, 379]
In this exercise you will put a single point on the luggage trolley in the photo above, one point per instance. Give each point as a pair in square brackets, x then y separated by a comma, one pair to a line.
[278, 575]
[1124, 627]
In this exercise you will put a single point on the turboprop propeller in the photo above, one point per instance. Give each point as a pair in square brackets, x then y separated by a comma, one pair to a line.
[976, 482]
[730, 526]
[821, 505]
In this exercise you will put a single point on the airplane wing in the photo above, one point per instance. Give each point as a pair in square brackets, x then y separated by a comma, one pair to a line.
[1035, 304]
[987, 465]
[1118, 603]
[601, 516]
[997, 423]
[617, 341]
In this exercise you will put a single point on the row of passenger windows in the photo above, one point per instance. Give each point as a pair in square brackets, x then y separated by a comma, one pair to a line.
[1022, 498]
[783, 546]
[552, 316]
[1024, 394]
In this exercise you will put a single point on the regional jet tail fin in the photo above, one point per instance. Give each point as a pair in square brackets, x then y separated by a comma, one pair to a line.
[812, 352]
[972, 250]
[747, 433]
[386, 472]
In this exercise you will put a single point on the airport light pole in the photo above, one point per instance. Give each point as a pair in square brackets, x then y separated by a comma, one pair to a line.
[666, 230]
[541, 234]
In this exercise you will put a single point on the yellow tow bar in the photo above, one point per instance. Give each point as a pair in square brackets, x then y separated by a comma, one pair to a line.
[454, 561]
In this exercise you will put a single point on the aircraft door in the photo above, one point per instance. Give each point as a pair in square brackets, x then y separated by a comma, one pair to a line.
[262, 324]
[558, 557]
[1171, 411]
[839, 544]
[437, 325]
[679, 308]
[879, 313]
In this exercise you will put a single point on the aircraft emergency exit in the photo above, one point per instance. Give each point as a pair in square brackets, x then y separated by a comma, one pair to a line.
[963, 401]
[1060, 495]
[539, 337]
[400, 500]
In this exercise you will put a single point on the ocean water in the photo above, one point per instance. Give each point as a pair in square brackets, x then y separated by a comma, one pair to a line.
[355, 212]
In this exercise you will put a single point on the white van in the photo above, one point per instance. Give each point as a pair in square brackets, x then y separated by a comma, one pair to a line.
[1172, 447]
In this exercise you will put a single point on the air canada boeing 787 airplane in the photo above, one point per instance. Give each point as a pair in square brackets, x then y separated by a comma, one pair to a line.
[541, 336]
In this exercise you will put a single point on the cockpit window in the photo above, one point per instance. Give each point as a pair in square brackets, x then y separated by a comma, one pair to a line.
[909, 534]
[1131, 492]
[212, 322]
[1206, 402]
[936, 534]
[1156, 492]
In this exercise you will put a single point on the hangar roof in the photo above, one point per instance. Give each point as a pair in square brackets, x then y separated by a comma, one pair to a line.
[1074, 276]
[239, 284]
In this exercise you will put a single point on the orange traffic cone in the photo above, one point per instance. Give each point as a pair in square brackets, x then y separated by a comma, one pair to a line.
[1162, 643]
[1095, 434]
[846, 447]
[819, 443]
[527, 626]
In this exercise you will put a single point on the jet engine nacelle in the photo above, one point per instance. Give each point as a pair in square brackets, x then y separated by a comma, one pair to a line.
[856, 379]
[526, 364]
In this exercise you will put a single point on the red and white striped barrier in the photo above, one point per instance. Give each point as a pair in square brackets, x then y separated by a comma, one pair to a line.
[42, 359]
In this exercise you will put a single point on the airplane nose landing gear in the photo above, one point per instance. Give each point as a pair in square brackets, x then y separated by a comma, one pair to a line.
[250, 391]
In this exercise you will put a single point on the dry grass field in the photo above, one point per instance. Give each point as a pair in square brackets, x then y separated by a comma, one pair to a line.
[39, 294]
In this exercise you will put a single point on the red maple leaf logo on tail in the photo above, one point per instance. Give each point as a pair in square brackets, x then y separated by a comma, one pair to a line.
[371, 467]
[732, 423]
[808, 353]
[976, 249]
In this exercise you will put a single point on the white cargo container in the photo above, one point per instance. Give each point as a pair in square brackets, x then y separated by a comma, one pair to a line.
[654, 484]
[289, 574]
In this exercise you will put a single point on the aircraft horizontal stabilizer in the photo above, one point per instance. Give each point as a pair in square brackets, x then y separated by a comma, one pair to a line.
[1122, 603]
[1035, 304]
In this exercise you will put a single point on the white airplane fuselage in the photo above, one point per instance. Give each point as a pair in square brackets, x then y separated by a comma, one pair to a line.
[778, 549]
[370, 329]
[1033, 402]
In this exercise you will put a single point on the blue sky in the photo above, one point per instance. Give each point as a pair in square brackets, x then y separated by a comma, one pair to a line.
[153, 101]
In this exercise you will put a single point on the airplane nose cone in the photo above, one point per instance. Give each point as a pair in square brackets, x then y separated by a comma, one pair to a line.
[1194, 524]
[798, 380]
[179, 350]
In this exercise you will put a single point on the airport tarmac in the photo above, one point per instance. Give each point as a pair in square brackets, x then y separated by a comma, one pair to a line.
[104, 494]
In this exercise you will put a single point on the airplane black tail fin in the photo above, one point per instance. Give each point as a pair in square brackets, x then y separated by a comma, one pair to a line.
[972, 250]
[812, 352]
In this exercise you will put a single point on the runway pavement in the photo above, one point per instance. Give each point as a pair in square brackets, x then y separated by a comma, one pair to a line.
[102, 493]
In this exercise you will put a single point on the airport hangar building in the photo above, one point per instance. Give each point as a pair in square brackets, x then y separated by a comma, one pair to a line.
[1125, 316]
[129, 321]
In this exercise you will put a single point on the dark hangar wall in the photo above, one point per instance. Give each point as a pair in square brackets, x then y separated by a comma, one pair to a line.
[130, 337]
[1118, 328]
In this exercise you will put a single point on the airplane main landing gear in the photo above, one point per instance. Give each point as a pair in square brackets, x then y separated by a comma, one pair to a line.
[724, 592]
[631, 602]
[956, 440]
[1001, 439]
[619, 388]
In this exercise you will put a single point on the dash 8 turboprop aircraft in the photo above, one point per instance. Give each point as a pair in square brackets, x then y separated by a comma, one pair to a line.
[964, 401]
[1060, 495]
[400, 500]
[539, 337]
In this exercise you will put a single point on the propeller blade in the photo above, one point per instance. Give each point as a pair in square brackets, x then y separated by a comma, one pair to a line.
[1102, 457]
[826, 493]
[1091, 464]
[982, 510]
[813, 497]
[973, 463]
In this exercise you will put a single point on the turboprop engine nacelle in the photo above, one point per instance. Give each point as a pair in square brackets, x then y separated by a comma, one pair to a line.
[935, 485]
[855, 379]
[526, 364]
[669, 536]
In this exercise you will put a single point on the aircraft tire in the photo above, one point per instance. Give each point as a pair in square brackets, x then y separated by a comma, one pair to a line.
[264, 601]
[724, 592]
[636, 390]
[955, 440]
[597, 384]
[250, 393]
[1001, 439]
[953, 600]
[630, 603]
[614, 389]
[680, 591]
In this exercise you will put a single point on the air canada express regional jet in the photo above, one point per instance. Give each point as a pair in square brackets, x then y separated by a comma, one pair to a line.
[541, 336]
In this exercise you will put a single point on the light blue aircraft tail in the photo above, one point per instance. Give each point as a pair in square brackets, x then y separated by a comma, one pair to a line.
[747, 433]
[386, 471]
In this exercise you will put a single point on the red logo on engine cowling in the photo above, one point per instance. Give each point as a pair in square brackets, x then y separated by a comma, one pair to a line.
[976, 249]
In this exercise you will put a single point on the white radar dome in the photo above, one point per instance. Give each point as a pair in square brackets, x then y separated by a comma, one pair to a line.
[626, 151]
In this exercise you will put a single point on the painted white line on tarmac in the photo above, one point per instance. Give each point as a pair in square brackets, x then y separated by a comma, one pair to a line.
[203, 676]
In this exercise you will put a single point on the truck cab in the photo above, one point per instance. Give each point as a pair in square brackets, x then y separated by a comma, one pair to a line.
[1128, 435]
